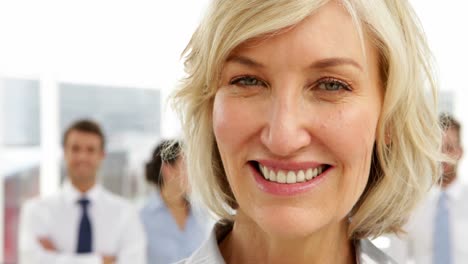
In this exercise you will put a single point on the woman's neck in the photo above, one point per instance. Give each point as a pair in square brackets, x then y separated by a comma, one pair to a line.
[173, 197]
[248, 243]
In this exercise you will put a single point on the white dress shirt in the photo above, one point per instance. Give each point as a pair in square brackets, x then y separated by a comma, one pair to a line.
[417, 245]
[117, 230]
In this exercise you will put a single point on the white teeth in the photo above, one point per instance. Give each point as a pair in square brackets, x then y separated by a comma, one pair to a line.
[272, 176]
[265, 173]
[290, 176]
[309, 174]
[300, 176]
[281, 177]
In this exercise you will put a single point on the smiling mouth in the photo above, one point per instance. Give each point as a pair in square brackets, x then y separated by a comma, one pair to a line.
[289, 176]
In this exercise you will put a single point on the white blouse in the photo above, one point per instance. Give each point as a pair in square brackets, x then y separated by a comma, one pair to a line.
[208, 253]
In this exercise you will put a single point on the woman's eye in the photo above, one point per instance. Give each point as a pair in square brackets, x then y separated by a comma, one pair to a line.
[333, 85]
[247, 81]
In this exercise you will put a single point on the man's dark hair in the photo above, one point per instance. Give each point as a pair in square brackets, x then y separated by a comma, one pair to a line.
[447, 121]
[87, 126]
[167, 151]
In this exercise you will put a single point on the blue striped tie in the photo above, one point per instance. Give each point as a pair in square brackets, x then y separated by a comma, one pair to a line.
[442, 242]
[85, 234]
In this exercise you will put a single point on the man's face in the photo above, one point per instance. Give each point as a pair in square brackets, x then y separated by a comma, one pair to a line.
[83, 155]
[451, 147]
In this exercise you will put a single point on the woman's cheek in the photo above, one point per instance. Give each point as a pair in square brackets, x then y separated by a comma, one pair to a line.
[234, 118]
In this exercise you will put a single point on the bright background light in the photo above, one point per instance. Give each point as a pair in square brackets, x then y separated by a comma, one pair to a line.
[123, 43]
[138, 44]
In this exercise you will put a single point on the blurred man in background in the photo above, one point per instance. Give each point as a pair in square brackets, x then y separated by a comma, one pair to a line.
[83, 223]
[438, 230]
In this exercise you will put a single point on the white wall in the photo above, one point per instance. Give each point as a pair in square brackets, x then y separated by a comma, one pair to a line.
[124, 43]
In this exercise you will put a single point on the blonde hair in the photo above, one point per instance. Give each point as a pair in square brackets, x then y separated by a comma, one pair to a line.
[407, 148]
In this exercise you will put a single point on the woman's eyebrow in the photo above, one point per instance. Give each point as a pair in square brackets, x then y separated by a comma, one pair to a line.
[245, 61]
[335, 61]
[322, 63]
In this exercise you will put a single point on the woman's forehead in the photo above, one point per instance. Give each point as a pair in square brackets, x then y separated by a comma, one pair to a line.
[328, 33]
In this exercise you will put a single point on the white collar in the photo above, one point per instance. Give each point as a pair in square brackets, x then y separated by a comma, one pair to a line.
[72, 194]
[453, 191]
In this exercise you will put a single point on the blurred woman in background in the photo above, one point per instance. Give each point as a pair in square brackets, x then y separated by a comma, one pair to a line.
[173, 227]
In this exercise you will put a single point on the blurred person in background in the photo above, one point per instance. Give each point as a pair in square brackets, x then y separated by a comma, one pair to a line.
[83, 223]
[174, 227]
[438, 229]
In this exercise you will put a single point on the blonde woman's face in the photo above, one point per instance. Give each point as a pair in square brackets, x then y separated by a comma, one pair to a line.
[295, 122]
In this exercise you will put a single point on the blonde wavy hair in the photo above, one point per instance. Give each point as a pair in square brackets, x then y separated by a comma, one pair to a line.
[407, 149]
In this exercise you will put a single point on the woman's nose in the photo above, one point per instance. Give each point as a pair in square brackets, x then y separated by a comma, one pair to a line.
[286, 129]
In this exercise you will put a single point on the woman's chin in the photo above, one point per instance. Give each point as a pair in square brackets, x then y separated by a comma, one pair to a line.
[291, 224]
